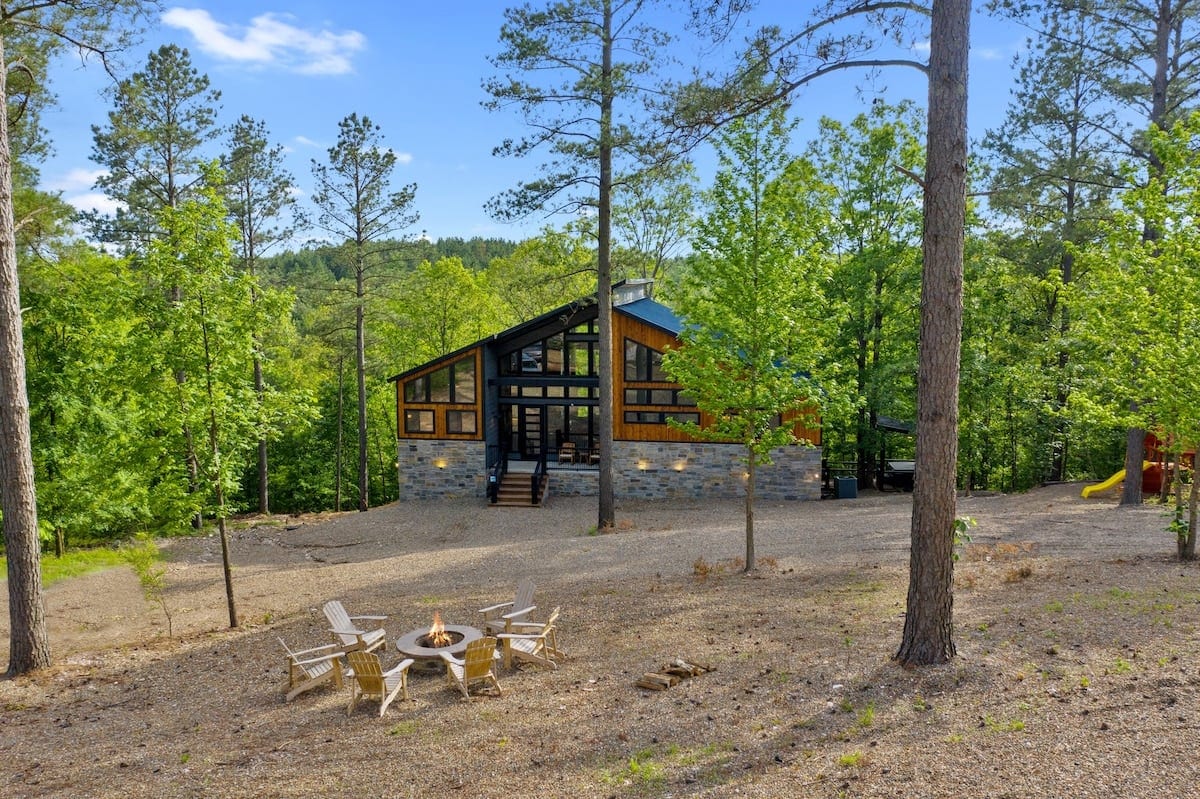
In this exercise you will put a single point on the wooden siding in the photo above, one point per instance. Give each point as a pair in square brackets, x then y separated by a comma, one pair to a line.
[627, 327]
[440, 409]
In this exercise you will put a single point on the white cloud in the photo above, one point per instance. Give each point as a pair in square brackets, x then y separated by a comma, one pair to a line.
[988, 53]
[77, 179]
[94, 201]
[270, 40]
[921, 48]
[304, 141]
[403, 158]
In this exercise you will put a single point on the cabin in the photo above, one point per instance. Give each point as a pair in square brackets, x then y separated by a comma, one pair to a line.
[514, 416]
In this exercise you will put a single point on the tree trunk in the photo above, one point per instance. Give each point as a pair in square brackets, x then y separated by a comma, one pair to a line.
[606, 511]
[1135, 453]
[29, 646]
[1188, 549]
[264, 505]
[750, 562]
[360, 355]
[341, 419]
[928, 623]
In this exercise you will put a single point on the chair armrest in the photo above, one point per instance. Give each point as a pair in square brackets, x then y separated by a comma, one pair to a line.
[399, 667]
[517, 637]
[522, 612]
[330, 650]
[517, 626]
[492, 608]
[368, 618]
[323, 659]
[446, 656]
[347, 631]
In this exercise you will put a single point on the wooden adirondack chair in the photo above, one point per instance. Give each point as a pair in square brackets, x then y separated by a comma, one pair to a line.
[498, 618]
[534, 643]
[368, 679]
[312, 668]
[348, 634]
[477, 665]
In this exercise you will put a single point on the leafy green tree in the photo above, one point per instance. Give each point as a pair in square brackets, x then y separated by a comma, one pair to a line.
[755, 316]
[1151, 285]
[574, 69]
[356, 205]
[209, 333]
[653, 220]
[876, 233]
[92, 26]
[258, 191]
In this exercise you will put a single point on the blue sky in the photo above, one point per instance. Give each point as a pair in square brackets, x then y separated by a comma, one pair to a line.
[416, 69]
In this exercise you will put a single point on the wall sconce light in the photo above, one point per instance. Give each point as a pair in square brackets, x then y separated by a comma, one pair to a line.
[680, 465]
[439, 463]
[643, 464]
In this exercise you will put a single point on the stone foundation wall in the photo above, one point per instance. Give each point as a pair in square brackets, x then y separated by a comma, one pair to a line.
[441, 469]
[665, 470]
[641, 470]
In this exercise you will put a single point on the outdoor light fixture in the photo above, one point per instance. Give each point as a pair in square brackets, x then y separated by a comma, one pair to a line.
[643, 464]
[439, 463]
[680, 465]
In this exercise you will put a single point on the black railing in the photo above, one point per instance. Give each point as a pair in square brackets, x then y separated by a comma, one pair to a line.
[495, 477]
[535, 481]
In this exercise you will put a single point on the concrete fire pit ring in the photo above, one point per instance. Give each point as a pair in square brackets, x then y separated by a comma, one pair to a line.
[407, 644]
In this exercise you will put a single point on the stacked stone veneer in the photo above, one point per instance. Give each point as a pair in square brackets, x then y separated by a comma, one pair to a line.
[441, 469]
[662, 470]
[641, 470]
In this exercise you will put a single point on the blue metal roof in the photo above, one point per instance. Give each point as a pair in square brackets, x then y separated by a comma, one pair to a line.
[653, 313]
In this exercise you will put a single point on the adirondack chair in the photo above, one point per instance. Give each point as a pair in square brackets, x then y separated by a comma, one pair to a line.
[348, 634]
[534, 643]
[476, 665]
[312, 668]
[499, 618]
[369, 680]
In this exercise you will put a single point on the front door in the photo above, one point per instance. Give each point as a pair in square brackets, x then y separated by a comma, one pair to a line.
[531, 431]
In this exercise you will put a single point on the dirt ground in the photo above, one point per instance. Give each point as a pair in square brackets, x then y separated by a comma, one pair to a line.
[1076, 676]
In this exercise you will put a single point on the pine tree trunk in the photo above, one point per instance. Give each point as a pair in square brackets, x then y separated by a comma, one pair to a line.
[606, 510]
[928, 623]
[29, 645]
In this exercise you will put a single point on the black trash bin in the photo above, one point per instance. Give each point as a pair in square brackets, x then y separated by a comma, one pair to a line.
[845, 487]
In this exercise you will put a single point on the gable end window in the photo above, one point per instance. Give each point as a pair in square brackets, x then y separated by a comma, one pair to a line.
[643, 363]
[453, 383]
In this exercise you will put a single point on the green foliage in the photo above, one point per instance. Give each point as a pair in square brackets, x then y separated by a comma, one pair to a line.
[143, 557]
[961, 534]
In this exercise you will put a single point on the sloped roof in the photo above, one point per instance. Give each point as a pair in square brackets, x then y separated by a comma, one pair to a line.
[653, 313]
[645, 309]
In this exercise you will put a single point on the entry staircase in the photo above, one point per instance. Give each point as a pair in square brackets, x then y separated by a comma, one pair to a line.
[520, 489]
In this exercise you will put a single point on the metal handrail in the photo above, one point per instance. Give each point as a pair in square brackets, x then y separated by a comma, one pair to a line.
[535, 480]
[495, 477]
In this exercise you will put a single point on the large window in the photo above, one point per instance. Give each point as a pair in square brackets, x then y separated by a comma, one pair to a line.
[460, 421]
[453, 383]
[643, 363]
[418, 421]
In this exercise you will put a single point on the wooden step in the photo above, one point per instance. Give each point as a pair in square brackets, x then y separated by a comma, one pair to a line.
[514, 492]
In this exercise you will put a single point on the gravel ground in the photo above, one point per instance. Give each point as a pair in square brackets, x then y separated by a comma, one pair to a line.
[1076, 674]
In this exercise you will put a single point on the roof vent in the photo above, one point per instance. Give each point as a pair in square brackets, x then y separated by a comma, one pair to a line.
[631, 290]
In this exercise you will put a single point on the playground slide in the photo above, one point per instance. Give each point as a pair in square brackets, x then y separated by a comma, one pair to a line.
[1111, 482]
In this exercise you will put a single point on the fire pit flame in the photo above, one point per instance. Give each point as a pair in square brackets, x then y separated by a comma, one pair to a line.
[437, 634]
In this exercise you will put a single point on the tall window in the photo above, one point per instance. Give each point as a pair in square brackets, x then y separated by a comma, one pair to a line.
[643, 363]
[453, 383]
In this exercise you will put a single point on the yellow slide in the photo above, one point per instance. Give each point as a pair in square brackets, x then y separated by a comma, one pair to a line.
[1111, 482]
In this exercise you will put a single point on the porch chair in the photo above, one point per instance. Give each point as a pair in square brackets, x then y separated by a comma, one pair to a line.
[567, 452]
[476, 665]
[368, 679]
[348, 634]
[533, 643]
[497, 618]
[312, 668]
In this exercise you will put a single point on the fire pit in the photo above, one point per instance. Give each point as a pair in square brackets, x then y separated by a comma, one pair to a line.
[428, 645]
